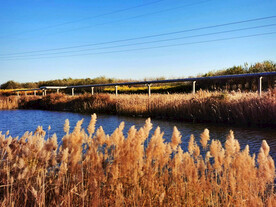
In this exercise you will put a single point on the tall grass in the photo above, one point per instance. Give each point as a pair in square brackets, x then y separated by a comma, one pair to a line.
[7, 103]
[95, 169]
[218, 107]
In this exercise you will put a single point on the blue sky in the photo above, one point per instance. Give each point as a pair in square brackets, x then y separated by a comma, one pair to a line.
[33, 33]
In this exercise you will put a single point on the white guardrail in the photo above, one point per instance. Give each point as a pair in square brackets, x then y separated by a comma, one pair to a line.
[259, 76]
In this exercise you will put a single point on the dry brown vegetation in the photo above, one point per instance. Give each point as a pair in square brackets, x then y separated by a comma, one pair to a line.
[7, 103]
[218, 107]
[231, 108]
[95, 169]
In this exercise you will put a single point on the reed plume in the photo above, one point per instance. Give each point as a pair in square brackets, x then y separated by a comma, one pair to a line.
[245, 108]
[133, 169]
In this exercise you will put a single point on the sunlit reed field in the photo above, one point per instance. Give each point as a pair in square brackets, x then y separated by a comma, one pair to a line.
[91, 168]
[217, 107]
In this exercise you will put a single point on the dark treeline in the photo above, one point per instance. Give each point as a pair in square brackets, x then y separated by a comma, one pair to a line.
[243, 84]
[59, 82]
[259, 67]
[250, 84]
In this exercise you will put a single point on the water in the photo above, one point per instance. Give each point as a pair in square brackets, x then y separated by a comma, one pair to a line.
[19, 121]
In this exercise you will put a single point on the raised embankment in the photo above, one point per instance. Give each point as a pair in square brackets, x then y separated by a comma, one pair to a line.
[216, 107]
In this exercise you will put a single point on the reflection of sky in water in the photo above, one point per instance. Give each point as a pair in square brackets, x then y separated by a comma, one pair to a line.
[19, 121]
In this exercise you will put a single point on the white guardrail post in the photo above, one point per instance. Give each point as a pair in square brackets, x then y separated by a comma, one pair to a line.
[92, 90]
[116, 90]
[194, 87]
[224, 79]
[260, 85]
[149, 92]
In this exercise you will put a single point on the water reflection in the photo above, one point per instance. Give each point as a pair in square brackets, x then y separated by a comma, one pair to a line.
[19, 121]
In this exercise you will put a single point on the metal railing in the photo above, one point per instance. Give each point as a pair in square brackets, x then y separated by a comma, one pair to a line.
[149, 83]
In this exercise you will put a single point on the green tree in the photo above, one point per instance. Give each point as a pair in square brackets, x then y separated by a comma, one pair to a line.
[10, 85]
[266, 66]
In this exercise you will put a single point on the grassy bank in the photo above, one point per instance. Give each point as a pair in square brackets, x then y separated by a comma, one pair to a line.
[114, 170]
[10, 102]
[216, 107]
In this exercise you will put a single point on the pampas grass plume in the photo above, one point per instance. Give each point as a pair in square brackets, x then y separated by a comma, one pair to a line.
[66, 126]
[176, 138]
[204, 138]
[127, 171]
[91, 126]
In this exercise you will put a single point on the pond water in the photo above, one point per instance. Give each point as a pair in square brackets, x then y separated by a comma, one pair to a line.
[20, 121]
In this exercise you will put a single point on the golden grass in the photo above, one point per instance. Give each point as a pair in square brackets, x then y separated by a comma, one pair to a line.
[10, 102]
[95, 169]
[10, 92]
[218, 107]
[134, 89]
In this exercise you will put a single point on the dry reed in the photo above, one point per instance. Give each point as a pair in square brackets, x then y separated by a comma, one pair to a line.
[231, 108]
[7, 103]
[218, 107]
[96, 169]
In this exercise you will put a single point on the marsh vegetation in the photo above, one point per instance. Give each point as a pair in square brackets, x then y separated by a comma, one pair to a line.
[91, 168]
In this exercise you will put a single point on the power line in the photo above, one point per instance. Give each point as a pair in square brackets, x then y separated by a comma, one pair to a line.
[123, 19]
[155, 47]
[86, 18]
[148, 42]
[130, 18]
[148, 36]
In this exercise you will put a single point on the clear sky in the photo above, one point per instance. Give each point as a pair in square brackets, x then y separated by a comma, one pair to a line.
[56, 39]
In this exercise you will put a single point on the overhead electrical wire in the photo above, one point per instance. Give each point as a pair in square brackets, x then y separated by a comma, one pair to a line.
[154, 47]
[130, 18]
[87, 18]
[148, 42]
[144, 37]
[123, 19]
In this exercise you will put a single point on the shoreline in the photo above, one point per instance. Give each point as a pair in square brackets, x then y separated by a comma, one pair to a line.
[235, 108]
